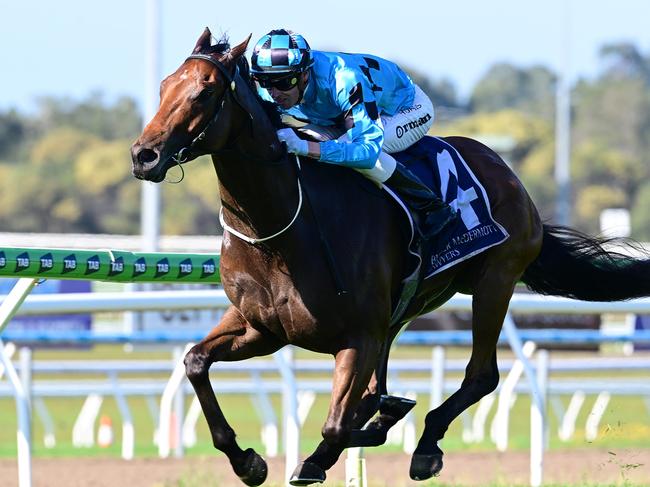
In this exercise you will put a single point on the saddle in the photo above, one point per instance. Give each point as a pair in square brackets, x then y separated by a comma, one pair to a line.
[441, 167]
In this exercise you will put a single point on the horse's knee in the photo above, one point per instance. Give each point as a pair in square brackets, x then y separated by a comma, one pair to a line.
[196, 364]
[335, 434]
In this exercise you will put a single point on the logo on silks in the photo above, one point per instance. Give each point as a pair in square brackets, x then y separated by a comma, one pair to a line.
[117, 267]
[3, 260]
[69, 263]
[92, 264]
[139, 267]
[185, 268]
[22, 262]
[162, 267]
[208, 268]
[46, 263]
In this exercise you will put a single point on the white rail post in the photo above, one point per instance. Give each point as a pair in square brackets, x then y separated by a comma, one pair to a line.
[179, 406]
[8, 309]
[355, 468]
[507, 396]
[480, 416]
[264, 409]
[49, 439]
[568, 424]
[538, 427]
[291, 422]
[515, 343]
[14, 299]
[437, 376]
[189, 423]
[597, 411]
[23, 435]
[166, 401]
[128, 431]
[25, 357]
[83, 434]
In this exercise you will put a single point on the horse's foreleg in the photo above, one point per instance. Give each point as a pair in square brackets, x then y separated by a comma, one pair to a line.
[489, 308]
[233, 339]
[353, 369]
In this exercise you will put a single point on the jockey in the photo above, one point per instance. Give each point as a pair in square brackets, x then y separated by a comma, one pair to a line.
[360, 108]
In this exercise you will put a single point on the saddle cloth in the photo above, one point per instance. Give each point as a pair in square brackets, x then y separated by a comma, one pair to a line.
[444, 171]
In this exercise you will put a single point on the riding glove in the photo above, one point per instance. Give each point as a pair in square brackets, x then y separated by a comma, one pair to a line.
[295, 145]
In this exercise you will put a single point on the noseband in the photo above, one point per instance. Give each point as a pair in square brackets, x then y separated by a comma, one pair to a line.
[184, 154]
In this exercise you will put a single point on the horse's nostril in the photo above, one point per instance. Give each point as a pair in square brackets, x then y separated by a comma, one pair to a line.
[146, 156]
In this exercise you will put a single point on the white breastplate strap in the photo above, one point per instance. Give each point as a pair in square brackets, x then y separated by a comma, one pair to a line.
[258, 240]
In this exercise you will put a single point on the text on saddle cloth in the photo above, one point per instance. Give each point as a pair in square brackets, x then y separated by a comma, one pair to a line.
[443, 169]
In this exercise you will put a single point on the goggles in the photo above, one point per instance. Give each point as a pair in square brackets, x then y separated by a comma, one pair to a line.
[285, 83]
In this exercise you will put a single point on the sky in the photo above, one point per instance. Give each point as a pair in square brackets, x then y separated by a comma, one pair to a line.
[73, 48]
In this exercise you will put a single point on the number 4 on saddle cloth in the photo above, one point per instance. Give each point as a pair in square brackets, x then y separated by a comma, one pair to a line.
[443, 170]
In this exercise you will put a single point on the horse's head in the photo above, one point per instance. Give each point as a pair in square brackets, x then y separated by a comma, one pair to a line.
[201, 105]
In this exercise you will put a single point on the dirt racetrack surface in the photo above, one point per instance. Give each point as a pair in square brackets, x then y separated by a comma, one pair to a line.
[473, 469]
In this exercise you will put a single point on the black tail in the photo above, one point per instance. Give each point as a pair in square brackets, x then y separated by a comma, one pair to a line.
[577, 266]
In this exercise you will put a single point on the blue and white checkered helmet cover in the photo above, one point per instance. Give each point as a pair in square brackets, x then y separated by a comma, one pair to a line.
[281, 51]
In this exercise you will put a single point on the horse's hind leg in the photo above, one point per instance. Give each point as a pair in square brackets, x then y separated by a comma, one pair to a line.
[233, 339]
[391, 408]
[352, 372]
[489, 306]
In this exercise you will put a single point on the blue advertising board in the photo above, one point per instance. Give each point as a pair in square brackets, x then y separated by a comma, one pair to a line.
[72, 322]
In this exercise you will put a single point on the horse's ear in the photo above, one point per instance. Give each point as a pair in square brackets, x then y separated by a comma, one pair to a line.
[203, 42]
[240, 49]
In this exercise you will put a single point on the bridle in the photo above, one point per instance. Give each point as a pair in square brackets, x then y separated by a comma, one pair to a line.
[184, 154]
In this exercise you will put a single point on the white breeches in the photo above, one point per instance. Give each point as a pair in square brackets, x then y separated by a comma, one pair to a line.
[402, 130]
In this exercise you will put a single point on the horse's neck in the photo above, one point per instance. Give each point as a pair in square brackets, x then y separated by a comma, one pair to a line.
[258, 199]
[258, 194]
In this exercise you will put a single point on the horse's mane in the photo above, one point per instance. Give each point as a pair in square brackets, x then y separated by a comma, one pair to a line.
[222, 47]
[270, 109]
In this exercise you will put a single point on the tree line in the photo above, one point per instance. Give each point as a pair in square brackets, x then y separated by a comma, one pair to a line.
[66, 168]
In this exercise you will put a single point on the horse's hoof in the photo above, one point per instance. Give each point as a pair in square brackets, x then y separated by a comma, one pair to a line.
[395, 406]
[425, 466]
[254, 469]
[391, 410]
[307, 473]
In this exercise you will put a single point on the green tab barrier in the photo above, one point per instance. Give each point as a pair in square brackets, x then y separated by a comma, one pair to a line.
[109, 265]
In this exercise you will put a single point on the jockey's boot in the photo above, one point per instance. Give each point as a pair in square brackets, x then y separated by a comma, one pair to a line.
[429, 211]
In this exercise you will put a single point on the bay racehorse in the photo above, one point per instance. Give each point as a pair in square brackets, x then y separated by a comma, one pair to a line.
[280, 282]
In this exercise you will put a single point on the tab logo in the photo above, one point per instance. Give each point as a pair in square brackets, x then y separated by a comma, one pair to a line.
[185, 268]
[69, 263]
[208, 268]
[46, 263]
[162, 267]
[139, 267]
[117, 267]
[3, 260]
[92, 264]
[22, 262]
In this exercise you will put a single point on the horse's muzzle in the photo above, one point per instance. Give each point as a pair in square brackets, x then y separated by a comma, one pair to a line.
[144, 162]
